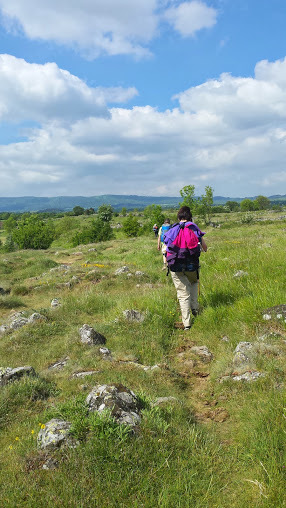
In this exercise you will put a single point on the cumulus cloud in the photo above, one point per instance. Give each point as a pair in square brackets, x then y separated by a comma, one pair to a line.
[190, 17]
[103, 27]
[41, 92]
[229, 133]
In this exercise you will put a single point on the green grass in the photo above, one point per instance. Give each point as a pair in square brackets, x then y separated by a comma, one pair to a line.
[180, 457]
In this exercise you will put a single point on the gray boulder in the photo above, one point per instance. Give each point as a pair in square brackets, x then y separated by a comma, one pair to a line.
[18, 323]
[249, 376]
[8, 374]
[60, 364]
[123, 269]
[165, 401]
[3, 329]
[36, 317]
[133, 315]
[54, 434]
[55, 303]
[276, 312]
[84, 373]
[90, 336]
[243, 354]
[119, 400]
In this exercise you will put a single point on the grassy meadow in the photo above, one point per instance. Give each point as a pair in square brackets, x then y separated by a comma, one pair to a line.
[219, 444]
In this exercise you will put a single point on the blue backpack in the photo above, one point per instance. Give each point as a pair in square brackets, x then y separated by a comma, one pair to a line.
[164, 230]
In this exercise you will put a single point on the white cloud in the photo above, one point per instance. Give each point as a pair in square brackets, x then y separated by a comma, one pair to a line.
[190, 17]
[109, 26]
[98, 27]
[44, 92]
[229, 133]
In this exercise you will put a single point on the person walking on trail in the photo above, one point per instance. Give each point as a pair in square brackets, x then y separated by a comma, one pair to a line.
[184, 242]
[161, 244]
[156, 230]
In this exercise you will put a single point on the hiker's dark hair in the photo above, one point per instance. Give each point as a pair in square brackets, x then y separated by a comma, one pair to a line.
[167, 221]
[184, 213]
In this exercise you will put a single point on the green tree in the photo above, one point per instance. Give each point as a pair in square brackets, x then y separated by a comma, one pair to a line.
[233, 206]
[9, 245]
[262, 203]
[205, 203]
[10, 224]
[78, 210]
[131, 226]
[33, 233]
[154, 215]
[188, 195]
[247, 205]
[123, 211]
[105, 212]
[89, 211]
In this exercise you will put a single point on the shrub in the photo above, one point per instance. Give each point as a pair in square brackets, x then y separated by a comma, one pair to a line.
[131, 226]
[247, 219]
[33, 233]
[99, 231]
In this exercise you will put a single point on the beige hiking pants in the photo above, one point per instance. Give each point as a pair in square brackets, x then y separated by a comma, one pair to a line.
[186, 284]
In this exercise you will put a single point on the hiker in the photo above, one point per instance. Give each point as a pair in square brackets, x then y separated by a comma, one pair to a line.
[161, 245]
[184, 242]
[156, 230]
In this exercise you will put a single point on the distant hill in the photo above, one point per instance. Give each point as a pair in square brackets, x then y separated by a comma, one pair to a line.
[66, 203]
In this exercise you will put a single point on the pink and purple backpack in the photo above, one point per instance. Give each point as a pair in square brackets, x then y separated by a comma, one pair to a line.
[183, 249]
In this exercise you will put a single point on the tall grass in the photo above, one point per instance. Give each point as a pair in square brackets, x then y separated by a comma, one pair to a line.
[180, 456]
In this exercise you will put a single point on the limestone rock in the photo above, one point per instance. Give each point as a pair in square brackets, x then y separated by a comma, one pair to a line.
[55, 303]
[59, 364]
[165, 401]
[9, 374]
[122, 403]
[18, 323]
[248, 376]
[15, 315]
[243, 354]
[266, 317]
[84, 373]
[3, 329]
[240, 273]
[54, 434]
[139, 274]
[123, 269]
[92, 249]
[203, 352]
[90, 336]
[276, 312]
[133, 315]
[50, 464]
[35, 317]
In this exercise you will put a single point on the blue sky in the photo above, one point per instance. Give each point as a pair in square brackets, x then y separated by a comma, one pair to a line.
[142, 97]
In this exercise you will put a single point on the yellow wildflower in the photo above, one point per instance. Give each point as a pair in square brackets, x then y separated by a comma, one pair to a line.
[17, 438]
[43, 426]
